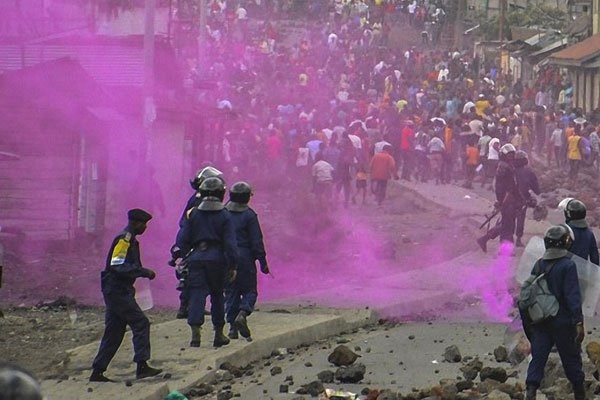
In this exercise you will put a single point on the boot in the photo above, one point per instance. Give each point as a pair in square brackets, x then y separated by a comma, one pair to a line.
[182, 313]
[98, 376]
[220, 338]
[146, 371]
[233, 332]
[482, 242]
[195, 342]
[579, 392]
[530, 393]
[518, 243]
[242, 324]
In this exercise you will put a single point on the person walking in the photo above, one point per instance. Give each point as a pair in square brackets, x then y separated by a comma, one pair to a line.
[382, 168]
[208, 236]
[527, 182]
[565, 330]
[241, 294]
[123, 267]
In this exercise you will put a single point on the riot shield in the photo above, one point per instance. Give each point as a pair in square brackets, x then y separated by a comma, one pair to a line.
[589, 274]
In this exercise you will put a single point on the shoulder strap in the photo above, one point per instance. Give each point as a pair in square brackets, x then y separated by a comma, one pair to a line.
[537, 265]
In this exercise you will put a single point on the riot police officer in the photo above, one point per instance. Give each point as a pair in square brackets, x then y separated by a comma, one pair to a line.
[123, 267]
[527, 182]
[208, 236]
[508, 199]
[193, 201]
[584, 244]
[565, 330]
[240, 295]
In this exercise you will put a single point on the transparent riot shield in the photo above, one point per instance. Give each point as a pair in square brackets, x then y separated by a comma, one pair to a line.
[589, 274]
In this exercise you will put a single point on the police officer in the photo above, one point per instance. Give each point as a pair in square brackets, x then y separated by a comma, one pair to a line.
[240, 295]
[123, 266]
[565, 331]
[584, 244]
[193, 201]
[208, 236]
[527, 182]
[508, 199]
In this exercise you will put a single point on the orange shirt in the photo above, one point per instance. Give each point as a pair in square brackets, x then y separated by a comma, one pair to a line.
[472, 155]
[383, 166]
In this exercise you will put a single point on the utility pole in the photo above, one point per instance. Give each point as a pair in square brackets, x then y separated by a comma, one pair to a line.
[502, 20]
[202, 32]
[459, 23]
[149, 106]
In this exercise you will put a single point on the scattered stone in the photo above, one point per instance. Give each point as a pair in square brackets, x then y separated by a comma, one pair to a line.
[314, 388]
[289, 378]
[283, 388]
[223, 376]
[497, 374]
[352, 374]
[90, 390]
[128, 383]
[224, 395]
[235, 371]
[452, 354]
[411, 337]
[501, 354]
[308, 364]
[326, 376]
[464, 385]
[276, 371]
[167, 376]
[342, 356]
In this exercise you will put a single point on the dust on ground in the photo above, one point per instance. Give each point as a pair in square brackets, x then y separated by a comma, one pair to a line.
[36, 332]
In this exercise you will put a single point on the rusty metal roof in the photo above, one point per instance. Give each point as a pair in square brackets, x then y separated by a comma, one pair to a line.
[579, 53]
[111, 61]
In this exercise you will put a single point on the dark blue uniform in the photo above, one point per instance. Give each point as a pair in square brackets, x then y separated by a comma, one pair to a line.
[211, 235]
[560, 330]
[584, 245]
[509, 199]
[526, 181]
[242, 293]
[123, 266]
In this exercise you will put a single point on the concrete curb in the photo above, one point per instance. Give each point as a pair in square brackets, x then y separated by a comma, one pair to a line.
[271, 330]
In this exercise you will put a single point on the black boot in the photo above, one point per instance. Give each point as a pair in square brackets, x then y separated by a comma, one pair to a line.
[195, 342]
[242, 324]
[579, 392]
[233, 332]
[518, 243]
[220, 338]
[182, 313]
[146, 371]
[98, 376]
[530, 393]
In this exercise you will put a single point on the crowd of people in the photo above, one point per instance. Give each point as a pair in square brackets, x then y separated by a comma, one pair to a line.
[325, 104]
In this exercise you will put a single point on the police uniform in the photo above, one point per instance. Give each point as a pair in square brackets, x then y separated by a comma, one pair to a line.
[560, 330]
[584, 245]
[526, 181]
[241, 294]
[123, 267]
[210, 235]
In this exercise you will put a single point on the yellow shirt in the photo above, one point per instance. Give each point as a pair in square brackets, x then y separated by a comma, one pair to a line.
[573, 150]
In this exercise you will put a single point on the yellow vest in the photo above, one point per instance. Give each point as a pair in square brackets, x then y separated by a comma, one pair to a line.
[573, 149]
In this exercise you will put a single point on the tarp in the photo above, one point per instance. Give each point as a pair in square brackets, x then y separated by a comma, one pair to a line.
[589, 274]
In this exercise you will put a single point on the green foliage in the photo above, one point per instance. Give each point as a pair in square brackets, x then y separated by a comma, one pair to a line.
[532, 16]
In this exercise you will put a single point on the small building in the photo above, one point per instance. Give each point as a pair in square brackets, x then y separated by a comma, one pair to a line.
[582, 63]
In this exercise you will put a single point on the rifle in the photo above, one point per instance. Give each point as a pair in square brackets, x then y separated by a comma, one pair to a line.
[489, 218]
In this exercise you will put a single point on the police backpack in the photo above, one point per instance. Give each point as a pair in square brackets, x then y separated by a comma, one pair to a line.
[536, 301]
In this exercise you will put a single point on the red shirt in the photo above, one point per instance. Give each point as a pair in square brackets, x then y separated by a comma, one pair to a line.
[406, 138]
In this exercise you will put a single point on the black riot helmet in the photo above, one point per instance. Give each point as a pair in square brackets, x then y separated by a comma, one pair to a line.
[202, 174]
[240, 192]
[558, 237]
[573, 209]
[521, 158]
[212, 187]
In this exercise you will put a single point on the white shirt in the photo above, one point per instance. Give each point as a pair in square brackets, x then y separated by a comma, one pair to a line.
[412, 7]
[467, 107]
[436, 145]
[557, 137]
[241, 13]
[378, 147]
[492, 152]
[322, 171]
[356, 142]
